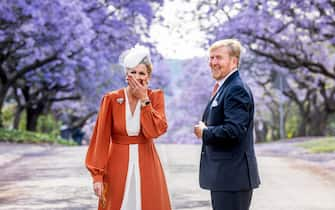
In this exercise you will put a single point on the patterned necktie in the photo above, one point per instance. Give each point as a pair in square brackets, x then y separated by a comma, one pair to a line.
[216, 86]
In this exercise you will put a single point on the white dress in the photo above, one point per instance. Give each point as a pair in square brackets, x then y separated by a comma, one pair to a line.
[132, 194]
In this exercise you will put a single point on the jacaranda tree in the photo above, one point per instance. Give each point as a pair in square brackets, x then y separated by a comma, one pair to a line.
[45, 46]
[297, 38]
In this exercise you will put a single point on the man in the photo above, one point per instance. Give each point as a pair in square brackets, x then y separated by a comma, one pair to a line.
[228, 166]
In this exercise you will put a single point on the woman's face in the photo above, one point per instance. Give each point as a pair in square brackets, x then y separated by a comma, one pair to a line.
[139, 73]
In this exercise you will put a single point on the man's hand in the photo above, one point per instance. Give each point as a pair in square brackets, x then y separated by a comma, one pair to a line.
[198, 129]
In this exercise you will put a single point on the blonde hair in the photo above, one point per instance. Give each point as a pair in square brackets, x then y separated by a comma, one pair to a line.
[149, 69]
[233, 45]
[147, 62]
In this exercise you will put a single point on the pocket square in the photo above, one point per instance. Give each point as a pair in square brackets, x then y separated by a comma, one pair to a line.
[214, 103]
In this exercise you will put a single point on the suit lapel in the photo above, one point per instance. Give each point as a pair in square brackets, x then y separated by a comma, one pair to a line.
[222, 87]
[204, 116]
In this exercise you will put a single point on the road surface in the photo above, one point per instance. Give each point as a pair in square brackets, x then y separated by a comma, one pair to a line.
[53, 177]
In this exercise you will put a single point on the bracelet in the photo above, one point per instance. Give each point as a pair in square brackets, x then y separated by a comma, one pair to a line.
[145, 102]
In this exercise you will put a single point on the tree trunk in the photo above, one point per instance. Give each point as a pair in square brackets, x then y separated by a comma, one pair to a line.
[303, 112]
[260, 131]
[17, 117]
[318, 124]
[32, 117]
[302, 126]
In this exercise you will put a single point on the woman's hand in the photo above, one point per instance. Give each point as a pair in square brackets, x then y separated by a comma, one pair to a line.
[98, 188]
[138, 88]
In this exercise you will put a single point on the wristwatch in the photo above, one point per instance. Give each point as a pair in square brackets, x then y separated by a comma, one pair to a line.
[145, 102]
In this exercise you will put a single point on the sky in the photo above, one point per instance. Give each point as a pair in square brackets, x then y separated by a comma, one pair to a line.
[182, 39]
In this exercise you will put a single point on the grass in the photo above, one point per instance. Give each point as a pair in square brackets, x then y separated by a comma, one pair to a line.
[16, 136]
[320, 145]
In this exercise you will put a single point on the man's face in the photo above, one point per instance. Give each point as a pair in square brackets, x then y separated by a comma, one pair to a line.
[221, 63]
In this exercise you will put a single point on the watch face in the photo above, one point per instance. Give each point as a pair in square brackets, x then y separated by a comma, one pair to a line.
[145, 103]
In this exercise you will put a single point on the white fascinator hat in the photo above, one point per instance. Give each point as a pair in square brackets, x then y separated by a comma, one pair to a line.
[134, 56]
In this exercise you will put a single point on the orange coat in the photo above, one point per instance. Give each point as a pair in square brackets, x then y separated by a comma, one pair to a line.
[108, 153]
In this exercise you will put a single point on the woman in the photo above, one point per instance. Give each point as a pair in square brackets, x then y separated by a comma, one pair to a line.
[126, 170]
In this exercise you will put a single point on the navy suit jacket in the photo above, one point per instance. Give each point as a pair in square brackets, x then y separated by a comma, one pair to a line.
[228, 161]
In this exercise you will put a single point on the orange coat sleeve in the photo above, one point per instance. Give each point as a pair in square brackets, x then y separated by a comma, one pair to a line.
[153, 119]
[97, 153]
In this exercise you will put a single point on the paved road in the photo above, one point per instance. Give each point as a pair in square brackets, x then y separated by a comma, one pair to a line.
[53, 177]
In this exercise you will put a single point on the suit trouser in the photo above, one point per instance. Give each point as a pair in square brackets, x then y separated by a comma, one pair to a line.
[229, 200]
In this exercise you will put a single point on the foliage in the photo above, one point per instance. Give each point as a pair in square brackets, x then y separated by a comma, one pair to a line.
[292, 121]
[48, 124]
[292, 38]
[320, 145]
[331, 125]
[8, 115]
[192, 88]
[54, 52]
[59, 57]
[16, 136]
[23, 121]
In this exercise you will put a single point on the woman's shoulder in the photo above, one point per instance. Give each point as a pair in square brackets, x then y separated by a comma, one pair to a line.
[156, 93]
[114, 94]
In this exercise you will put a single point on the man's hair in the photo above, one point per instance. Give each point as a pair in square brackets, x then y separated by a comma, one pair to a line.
[233, 45]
